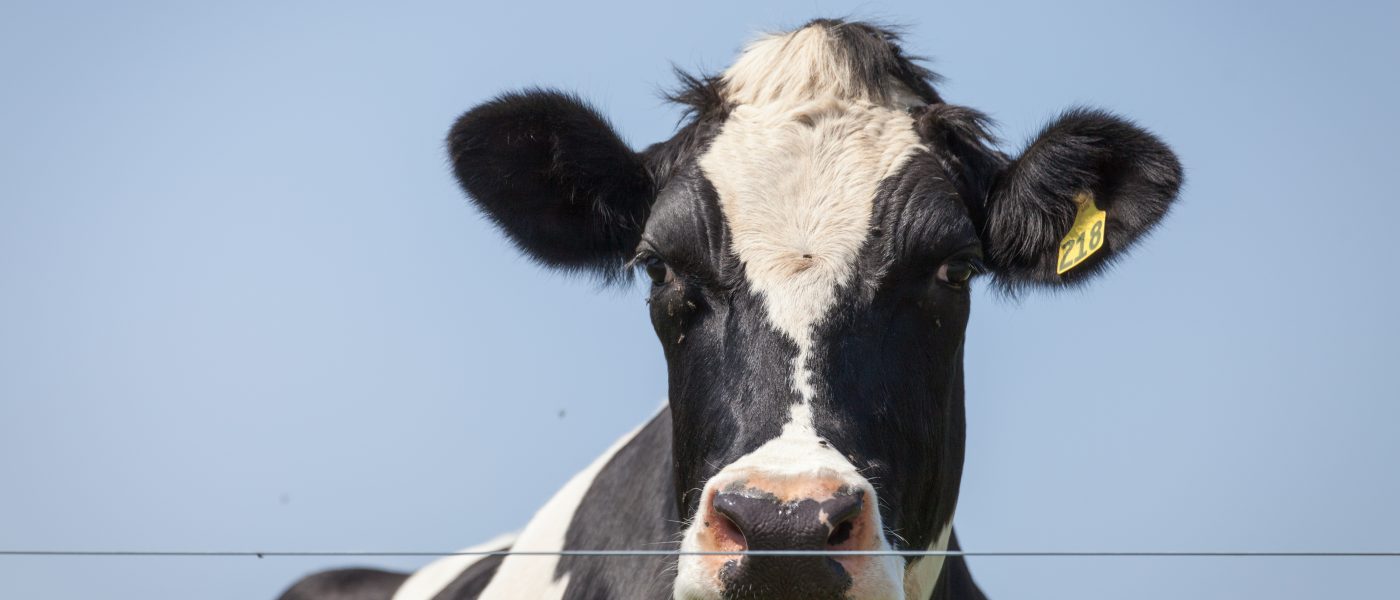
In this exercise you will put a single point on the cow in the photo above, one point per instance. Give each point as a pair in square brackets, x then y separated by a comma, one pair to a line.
[810, 235]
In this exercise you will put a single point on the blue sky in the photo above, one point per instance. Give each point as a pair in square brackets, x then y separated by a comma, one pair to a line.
[243, 305]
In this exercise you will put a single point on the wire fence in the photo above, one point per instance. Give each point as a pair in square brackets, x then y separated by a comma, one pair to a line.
[788, 553]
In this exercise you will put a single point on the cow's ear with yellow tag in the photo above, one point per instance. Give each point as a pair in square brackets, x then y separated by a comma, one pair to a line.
[1086, 188]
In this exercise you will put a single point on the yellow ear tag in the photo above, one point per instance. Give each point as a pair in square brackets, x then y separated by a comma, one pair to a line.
[1085, 237]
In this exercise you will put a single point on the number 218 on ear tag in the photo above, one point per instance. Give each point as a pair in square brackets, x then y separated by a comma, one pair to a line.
[1085, 237]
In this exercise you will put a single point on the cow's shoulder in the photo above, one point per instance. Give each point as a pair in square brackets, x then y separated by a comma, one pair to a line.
[623, 500]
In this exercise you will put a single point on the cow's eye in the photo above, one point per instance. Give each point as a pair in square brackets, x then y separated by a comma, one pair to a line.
[656, 269]
[955, 273]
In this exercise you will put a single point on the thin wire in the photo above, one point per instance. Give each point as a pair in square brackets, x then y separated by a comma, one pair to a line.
[607, 553]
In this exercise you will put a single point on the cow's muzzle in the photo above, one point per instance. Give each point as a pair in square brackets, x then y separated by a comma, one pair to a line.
[754, 512]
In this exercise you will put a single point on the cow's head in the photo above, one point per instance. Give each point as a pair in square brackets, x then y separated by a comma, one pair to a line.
[810, 235]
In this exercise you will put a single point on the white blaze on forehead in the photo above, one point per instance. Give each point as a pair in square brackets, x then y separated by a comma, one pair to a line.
[796, 167]
[797, 185]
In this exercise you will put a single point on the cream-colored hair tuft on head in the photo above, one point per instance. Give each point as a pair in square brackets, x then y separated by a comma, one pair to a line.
[803, 65]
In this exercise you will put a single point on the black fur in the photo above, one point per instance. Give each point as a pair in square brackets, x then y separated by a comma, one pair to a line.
[874, 55]
[1133, 177]
[960, 139]
[346, 584]
[555, 176]
[888, 384]
[955, 581]
[702, 96]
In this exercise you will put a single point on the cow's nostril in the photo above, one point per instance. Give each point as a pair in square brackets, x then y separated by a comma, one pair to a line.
[842, 513]
[729, 532]
[841, 534]
[734, 514]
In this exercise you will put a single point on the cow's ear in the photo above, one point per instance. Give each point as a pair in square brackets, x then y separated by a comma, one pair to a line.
[1085, 189]
[557, 179]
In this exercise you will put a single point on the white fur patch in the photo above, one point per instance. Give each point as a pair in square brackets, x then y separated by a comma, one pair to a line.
[533, 576]
[427, 582]
[923, 573]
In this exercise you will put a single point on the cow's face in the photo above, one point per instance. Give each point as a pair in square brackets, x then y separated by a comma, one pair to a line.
[810, 237]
